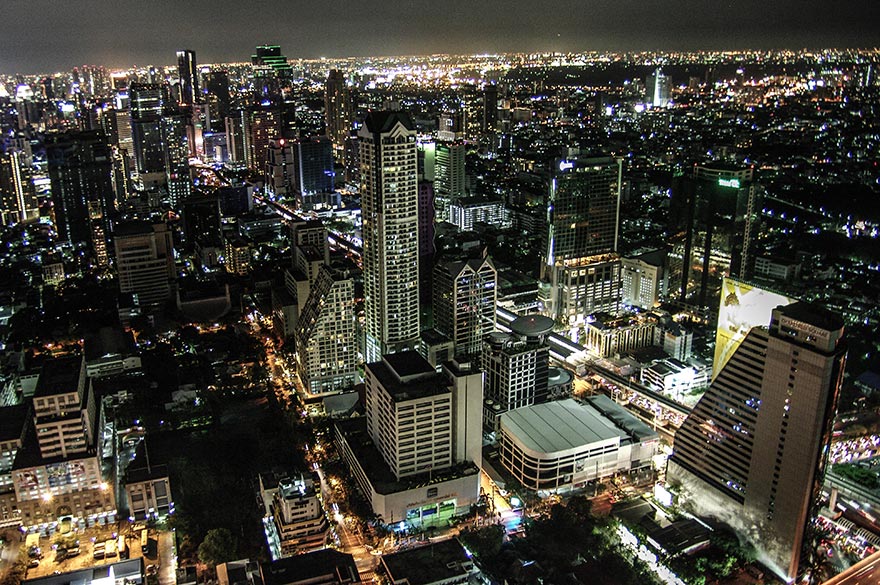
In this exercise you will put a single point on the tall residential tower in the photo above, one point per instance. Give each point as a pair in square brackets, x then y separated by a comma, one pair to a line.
[389, 192]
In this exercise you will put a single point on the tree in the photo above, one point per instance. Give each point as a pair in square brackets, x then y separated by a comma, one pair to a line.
[219, 546]
[485, 542]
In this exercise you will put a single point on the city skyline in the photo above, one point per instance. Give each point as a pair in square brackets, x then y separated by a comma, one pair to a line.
[73, 36]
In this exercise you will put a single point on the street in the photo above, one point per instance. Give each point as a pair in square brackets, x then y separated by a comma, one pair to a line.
[865, 572]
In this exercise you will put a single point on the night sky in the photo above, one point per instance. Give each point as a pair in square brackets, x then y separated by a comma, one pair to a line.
[50, 35]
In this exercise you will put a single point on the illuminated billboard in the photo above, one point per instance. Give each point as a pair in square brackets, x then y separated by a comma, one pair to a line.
[742, 307]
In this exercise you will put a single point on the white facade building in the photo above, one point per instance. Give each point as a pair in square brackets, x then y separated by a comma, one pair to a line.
[389, 197]
[326, 340]
[560, 446]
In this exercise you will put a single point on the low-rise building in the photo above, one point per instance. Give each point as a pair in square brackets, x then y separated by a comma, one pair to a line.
[440, 563]
[147, 487]
[128, 571]
[296, 519]
[322, 567]
[560, 446]
[110, 351]
[675, 379]
[607, 335]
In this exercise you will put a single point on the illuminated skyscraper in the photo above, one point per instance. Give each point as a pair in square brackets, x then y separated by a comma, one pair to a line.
[279, 168]
[659, 88]
[175, 145]
[59, 460]
[580, 265]
[189, 77]
[144, 261]
[147, 103]
[516, 366]
[389, 199]
[313, 175]
[464, 297]
[217, 99]
[337, 111]
[261, 125]
[18, 199]
[713, 217]
[81, 170]
[449, 175]
[752, 452]
[272, 72]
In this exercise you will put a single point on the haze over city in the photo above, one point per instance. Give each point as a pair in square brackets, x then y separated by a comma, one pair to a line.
[38, 36]
[561, 293]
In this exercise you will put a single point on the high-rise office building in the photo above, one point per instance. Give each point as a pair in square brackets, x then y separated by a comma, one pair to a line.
[188, 73]
[217, 99]
[659, 89]
[337, 111]
[449, 174]
[234, 124]
[422, 428]
[643, 279]
[313, 173]
[201, 220]
[81, 171]
[176, 150]
[261, 126]
[271, 70]
[147, 104]
[464, 302]
[326, 334]
[144, 261]
[753, 450]
[237, 254]
[490, 109]
[389, 199]
[18, 198]
[280, 168]
[516, 366]
[580, 263]
[713, 218]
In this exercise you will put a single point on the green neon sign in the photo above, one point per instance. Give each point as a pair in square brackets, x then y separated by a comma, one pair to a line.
[729, 183]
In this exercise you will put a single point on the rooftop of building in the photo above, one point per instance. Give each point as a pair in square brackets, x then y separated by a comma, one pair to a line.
[12, 421]
[408, 376]
[108, 341]
[132, 228]
[559, 376]
[532, 325]
[439, 561]
[477, 201]
[680, 537]
[559, 426]
[652, 257]
[812, 314]
[454, 267]
[59, 376]
[311, 567]
[432, 337]
[622, 418]
[381, 477]
[122, 571]
[384, 121]
[344, 404]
